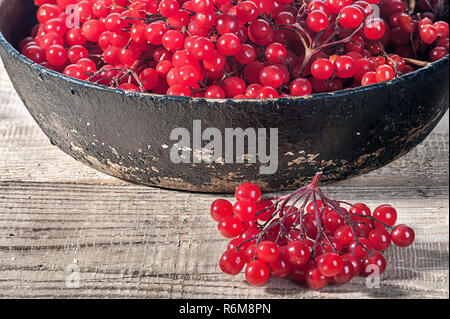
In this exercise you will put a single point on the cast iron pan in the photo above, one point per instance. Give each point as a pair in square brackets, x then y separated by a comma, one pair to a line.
[127, 135]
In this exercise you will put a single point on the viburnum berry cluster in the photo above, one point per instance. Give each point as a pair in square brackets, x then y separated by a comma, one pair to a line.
[305, 236]
[240, 49]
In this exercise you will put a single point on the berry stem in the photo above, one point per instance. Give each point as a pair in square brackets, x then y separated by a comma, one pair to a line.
[417, 62]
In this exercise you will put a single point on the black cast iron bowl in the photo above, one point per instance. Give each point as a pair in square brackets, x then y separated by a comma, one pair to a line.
[127, 135]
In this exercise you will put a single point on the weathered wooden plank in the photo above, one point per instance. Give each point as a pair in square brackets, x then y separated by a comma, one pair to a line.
[143, 242]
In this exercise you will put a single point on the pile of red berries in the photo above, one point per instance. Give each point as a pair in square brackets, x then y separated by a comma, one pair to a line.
[237, 48]
[305, 236]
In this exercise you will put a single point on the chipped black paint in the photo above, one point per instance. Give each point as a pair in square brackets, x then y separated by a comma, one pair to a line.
[343, 134]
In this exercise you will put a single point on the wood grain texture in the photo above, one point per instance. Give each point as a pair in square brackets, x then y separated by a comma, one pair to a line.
[135, 241]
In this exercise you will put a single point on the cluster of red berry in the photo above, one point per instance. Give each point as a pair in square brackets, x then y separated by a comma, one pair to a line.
[236, 48]
[317, 241]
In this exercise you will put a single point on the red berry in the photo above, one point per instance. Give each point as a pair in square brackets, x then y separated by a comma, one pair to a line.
[203, 6]
[114, 22]
[360, 209]
[168, 8]
[318, 5]
[330, 264]
[267, 251]
[56, 55]
[356, 263]
[322, 69]
[247, 11]
[250, 251]
[230, 227]
[229, 44]
[77, 52]
[406, 22]
[245, 211]
[386, 214]
[297, 253]
[315, 279]
[227, 23]
[260, 30]
[129, 87]
[356, 44]
[369, 78]
[310, 208]
[232, 262]
[336, 5]
[346, 273]
[137, 32]
[298, 272]
[374, 28]
[248, 192]
[271, 76]
[172, 40]
[344, 235]
[233, 86]
[188, 75]
[402, 235]
[310, 223]
[379, 239]
[317, 20]
[292, 215]
[215, 62]
[344, 67]
[441, 28]
[384, 73]
[202, 49]
[350, 17]
[257, 273]
[35, 53]
[428, 33]
[300, 87]
[75, 71]
[265, 210]
[375, 260]
[88, 65]
[362, 249]
[276, 53]
[221, 208]
[47, 12]
[149, 78]
[332, 221]
[49, 39]
[250, 231]
[437, 53]
[92, 30]
[396, 62]
[280, 267]
[246, 54]
[154, 32]
[235, 243]
[267, 92]
[215, 92]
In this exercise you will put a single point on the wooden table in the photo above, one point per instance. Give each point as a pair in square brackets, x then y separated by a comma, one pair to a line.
[57, 215]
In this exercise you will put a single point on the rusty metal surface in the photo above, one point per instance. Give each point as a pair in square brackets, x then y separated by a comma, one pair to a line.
[127, 135]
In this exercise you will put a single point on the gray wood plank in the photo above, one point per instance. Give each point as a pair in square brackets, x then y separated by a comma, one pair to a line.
[143, 242]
